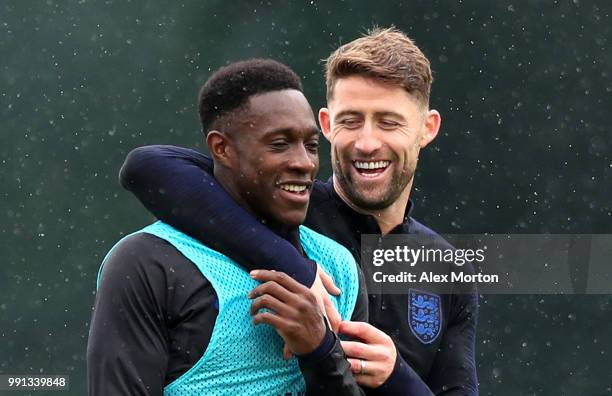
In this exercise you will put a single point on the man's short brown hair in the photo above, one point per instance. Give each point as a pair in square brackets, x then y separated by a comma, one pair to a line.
[387, 55]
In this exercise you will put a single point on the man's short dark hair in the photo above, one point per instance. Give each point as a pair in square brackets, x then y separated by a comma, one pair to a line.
[230, 87]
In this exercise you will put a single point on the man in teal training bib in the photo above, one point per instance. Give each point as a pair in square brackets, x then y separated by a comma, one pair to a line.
[175, 317]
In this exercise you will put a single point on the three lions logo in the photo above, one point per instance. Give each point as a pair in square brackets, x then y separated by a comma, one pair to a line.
[424, 315]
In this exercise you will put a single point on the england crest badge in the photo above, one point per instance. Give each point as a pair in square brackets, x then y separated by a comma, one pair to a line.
[424, 315]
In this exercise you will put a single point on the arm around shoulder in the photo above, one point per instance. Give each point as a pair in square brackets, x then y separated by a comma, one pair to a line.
[177, 186]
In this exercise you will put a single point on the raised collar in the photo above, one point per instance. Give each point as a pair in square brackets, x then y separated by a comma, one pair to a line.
[367, 224]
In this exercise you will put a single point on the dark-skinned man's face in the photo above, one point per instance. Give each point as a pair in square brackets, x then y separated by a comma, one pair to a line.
[276, 156]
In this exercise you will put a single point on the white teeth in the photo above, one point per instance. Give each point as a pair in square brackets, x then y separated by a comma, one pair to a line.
[293, 187]
[371, 165]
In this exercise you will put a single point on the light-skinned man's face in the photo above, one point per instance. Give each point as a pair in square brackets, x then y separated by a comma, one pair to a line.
[376, 131]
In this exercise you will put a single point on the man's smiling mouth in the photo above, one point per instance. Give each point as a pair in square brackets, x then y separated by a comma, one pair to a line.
[371, 164]
[295, 186]
[371, 169]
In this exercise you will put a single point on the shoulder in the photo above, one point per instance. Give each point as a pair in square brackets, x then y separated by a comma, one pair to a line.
[144, 260]
[138, 243]
[417, 228]
[140, 248]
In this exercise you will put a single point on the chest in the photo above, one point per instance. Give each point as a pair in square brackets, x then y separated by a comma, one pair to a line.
[415, 323]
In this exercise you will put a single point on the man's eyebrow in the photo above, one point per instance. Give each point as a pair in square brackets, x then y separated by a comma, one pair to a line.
[377, 114]
[344, 113]
[285, 131]
[380, 114]
[315, 131]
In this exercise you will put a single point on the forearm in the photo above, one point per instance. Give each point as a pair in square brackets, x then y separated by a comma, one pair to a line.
[403, 381]
[329, 373]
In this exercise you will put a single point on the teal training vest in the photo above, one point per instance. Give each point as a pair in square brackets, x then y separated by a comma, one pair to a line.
[243, 359]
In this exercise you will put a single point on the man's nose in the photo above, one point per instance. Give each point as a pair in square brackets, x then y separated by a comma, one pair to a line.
[301, 159]
[367, 140]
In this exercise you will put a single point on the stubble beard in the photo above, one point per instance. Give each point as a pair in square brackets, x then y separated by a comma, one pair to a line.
[373, 199]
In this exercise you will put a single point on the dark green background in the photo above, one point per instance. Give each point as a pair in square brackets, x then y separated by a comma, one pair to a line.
[525, 93]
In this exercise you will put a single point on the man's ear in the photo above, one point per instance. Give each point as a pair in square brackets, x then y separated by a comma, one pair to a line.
[431, 127]
[220, 147]
[325, 123]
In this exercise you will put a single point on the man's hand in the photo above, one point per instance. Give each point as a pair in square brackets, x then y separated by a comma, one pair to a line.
[295, 312]
[372, 360]
[322, 287]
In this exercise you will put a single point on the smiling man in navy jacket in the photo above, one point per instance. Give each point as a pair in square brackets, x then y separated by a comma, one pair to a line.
[377, 121]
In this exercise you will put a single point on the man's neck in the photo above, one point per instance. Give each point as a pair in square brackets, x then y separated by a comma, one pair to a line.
[387, 218]
[289, 233]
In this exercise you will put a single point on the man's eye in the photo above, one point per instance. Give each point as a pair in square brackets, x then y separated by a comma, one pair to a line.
[278, 145]
[312, 146]
[350, 123]
[388, 124]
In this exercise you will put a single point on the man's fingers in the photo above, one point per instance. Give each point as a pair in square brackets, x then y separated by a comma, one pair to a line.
[355, 365]
[369, 367]
[377, 351]
[328, 282]
[275, 290]
[270, 302]
[324, 302]
[287, 353]
[359, 350]
[279, 277]
[332, 314]
[370, 376]
[365, 332]
[269, 318]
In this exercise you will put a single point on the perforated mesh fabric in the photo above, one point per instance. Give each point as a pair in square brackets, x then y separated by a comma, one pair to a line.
[337, 262]
[241, 358]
